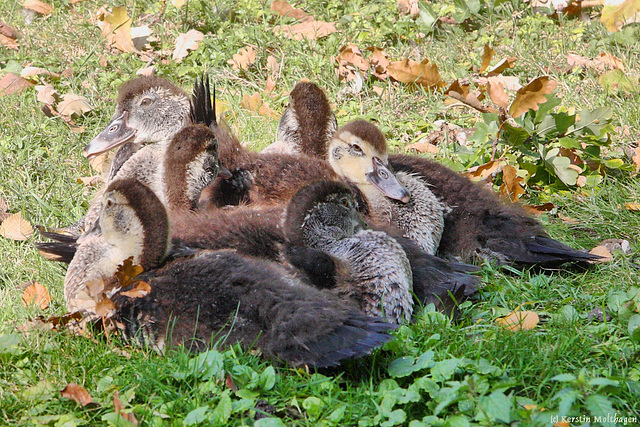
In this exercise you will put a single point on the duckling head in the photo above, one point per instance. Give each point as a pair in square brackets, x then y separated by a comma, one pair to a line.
[358, 152]
[190, 164]
[308, 122]
[320, 211]
[133, 223]
[148, 110]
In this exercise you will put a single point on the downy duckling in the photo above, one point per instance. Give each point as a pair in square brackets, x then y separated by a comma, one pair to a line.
[214, 294]
[373, 269]
[478, 223]
[358, 153]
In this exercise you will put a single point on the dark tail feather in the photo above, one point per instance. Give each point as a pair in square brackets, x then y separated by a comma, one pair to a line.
[57, 251]
[540, 250]
[203, 109]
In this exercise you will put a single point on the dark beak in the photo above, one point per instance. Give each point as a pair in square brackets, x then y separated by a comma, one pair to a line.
[384, 180]
[114, 134]
[224, 173]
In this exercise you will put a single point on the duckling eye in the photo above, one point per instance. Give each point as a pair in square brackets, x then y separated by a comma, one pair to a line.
[357, 148]
[109, 203]
[145, 102]
[345, 202]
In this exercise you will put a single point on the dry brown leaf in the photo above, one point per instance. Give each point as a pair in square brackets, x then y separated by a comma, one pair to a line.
[230, 384]
[511, 183]
[487, 55]
[245, 58]
[186, 42]
[140, 289]
[311, 30]
[603, 252]
[90, 181]
[9, 31]
[409, 7]
[600, 63]
[460, 92]
[36, 294]
[105, 307]
[350, 54]
[4, 206]
[12, 83]
[78, 393]
[497, 94]
[378, 90]
[254, 103]
[379, 61]
[47, 94]
[519, 320]
[15, 227]
[539, 209]
[146, 71]
[8, 42]
[483, 171]
[118, 407]
[36, 71]
[567, 219]
[530, 96]
[283, 8]
[116, 28]
[269, 85]
[73, 104]
[610, 61]
[99, 162]
[502, 65]
[423, 147]
[423, 73]
[38, 6]
[511, 83]
[632, 206]
[273, 66]
[127, 272]
[139, 36]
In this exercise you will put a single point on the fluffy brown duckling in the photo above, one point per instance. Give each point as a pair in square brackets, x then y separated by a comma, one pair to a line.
[478, 223]
[214, 294]
[372, 270]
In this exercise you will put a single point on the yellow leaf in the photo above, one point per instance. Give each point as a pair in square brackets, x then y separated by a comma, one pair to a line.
[423, 73]
[78, 393]
[519, 320]
[528, 97]
[603, 252]
[497, 94]
[73, 104]
[617, 14]
[487, 54]
[15, 227]
[254, 103]
[186, 42]
[485, 170]
[511, 183]
[116, 28]
[310, 30]
[36, 294]
[632, 206]
[38, 6]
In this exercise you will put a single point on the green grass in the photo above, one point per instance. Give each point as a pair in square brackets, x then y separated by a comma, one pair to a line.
[569, 364]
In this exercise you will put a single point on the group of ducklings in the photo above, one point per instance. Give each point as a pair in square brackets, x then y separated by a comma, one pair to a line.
[312, 250]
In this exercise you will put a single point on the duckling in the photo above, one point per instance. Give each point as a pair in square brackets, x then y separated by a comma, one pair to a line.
[374, 269]
[477, 223]
[214, 293]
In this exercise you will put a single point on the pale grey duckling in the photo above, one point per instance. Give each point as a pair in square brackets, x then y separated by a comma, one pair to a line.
[214, 295]
[373, 270]
[358, 153]
[478, 225]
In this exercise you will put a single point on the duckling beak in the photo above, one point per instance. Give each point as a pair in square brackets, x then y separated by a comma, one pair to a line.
[384, 180]
[224, 173]
[114, 134]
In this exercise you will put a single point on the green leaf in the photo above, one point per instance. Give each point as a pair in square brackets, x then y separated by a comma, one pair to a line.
[269, 422]
[563, 378]
[243, 393]
[603, 382]
[563, 122]
[563, 171]
[544, 108]
[338, 414]
[313, 406]
[594, 121]
[495, 407]
[457, 421]
[444, 370]
[197, 416]
[268, 378]
[402, 367]
[394, 418]
[428, 17]
[566, 397]
[117, 420]
[569, 313]
[207, 365]
[514, 135]
[634, 328]
[616, 81]
[41, 391]
[600, 406]
[222, 411]
[614, 163]
[9, 344]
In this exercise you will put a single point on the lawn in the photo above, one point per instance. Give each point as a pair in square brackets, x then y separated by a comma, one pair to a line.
[581, 360]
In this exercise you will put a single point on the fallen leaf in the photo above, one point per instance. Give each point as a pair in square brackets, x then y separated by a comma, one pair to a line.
[127, 271]
[186, 42]
[616, 81]
[90, 181]
[273, 66]
[539, 209]
[15, 227]
[378, 90]
[348, 60]
[98, 162]
[139, 36]
[47, 94]
[245, 58]
[511, 83]
[636, 158]
[409, 7]
[487, 55]
[140, 289]
[116, 28]
[12, 83]
[423, 147]
[230, 384]
[118, 406]
[497, 94]
[530, 96]
[311, 30]
[603, 252]
[567, 219]
[505, 64]
[4, 206]
[511, 183]
[78, 393]
[254, 103]
[146, 71]
[269, 85]
[73, 104]
[483, 171]
[423, 73]
[38, 6]
[610, 61]
[632, 206]
[8, 42]
[613, 245]
[379, 61]
[460, 92]
[519, 320]
[105, 307]
[36, 71]
[36, 294]
[284, 9]
[616, 14]
[8, 31]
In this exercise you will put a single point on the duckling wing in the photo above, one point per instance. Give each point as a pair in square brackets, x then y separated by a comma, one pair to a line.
[220, 295]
